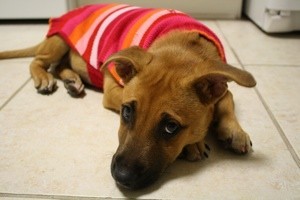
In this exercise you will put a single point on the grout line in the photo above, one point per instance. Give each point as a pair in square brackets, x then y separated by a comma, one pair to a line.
[238, 59]
[226, 40]
[271, 115]
[279, 129]
[14, 94]
[58, 197]
[271, 65]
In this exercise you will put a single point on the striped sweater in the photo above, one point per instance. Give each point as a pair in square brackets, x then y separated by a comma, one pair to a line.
[97, 31]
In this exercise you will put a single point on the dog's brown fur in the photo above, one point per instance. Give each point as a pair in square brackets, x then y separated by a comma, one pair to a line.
[173, 91]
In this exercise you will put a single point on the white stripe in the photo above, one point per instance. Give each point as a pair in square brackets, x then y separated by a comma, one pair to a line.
[106, 22]
[142, 30]
[82, 43]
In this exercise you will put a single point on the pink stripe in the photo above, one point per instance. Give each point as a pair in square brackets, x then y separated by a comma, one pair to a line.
[164, 24]
[82, 43]
[142, 30]
[106, 22]
[130, 25]
[71, 24]
[116, 33]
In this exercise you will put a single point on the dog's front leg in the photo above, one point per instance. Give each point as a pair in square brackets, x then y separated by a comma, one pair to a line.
[113, 92]
[195, 152]
[72, 80]
[229, 129]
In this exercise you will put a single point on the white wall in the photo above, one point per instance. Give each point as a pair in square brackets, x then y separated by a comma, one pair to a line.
[39, 9]
[33, 9]
[226, 9]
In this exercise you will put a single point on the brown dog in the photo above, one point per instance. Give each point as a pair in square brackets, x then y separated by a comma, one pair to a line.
[172, 93]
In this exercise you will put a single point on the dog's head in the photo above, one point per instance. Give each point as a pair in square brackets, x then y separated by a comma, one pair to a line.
[168, 102]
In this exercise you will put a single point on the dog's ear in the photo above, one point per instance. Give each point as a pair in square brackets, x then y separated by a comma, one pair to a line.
[212, 84]
[129, 62]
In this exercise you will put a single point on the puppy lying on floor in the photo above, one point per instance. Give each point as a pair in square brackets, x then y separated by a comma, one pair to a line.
[163, 71]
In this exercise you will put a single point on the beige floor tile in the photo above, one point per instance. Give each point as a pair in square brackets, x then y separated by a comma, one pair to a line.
[253, 46]
[280, 88]
[20, 36]
[57, 145]
[21, 197]
[15, 72]
[231, 58]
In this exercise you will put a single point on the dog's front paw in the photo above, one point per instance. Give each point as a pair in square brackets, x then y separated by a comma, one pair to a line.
[195, 152]
[74, 86]
[237, 140]
[44, 82]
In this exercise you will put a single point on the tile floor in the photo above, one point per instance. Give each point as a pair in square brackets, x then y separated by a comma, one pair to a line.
[58, 147]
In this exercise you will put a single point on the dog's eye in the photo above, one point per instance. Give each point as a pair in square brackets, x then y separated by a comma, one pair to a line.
[168, 127]
[172, 127]
[127, 112]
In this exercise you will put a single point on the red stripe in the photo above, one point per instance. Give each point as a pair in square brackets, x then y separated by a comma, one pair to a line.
[87, 54]
[96, 76]
[154, 27]
[115, 31]
[158, 29]
[57, 24]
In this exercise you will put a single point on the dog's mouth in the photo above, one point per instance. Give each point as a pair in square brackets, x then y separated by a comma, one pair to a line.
[135, 176]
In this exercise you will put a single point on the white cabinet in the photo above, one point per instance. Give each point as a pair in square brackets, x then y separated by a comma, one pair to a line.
[274, 15]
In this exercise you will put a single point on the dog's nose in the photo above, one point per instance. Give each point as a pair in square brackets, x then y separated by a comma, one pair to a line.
[124, 176]
[127, 175]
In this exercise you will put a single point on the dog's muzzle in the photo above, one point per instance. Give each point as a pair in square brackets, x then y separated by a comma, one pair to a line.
[132, 174]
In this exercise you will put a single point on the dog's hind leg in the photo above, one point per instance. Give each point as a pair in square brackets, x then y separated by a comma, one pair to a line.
[51, 51]
[228, 128]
